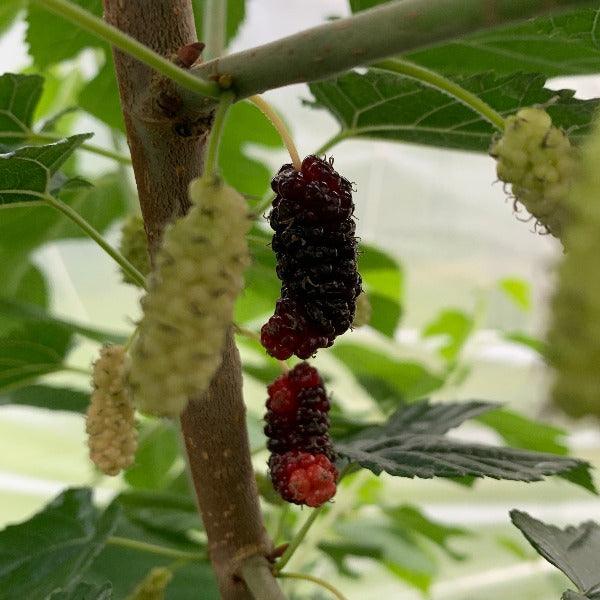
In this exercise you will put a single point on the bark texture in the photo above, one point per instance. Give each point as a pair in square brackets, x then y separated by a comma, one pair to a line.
[167, 140]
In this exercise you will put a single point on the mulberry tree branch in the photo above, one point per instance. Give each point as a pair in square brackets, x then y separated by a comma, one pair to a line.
[167, 142]
[390, 29]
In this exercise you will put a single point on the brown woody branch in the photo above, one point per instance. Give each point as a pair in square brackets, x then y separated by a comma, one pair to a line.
[167, 139]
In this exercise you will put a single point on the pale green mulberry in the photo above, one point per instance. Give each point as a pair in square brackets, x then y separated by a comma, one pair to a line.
[574, 335]
[189, 305]
[110, 422]
[539, 162]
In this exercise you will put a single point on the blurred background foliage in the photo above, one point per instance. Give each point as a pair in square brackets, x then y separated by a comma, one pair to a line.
[458, 289]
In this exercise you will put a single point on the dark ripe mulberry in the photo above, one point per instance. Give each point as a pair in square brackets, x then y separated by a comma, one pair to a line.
[297, 424]
[303, 478]
[316, 248]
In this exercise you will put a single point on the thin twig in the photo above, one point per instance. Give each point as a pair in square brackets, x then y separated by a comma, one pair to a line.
[281, 128]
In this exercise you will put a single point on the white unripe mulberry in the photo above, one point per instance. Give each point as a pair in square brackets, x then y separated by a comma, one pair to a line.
[574, 335]
[190, 300]
[364, 311]
[110, 423]
[539, 163]
[153, 586]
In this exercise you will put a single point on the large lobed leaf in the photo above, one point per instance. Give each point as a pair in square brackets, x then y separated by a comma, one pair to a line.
[412, 444]
[387, 106]
[574, 550]
[52, 551]
[85, 591]
[565, 44]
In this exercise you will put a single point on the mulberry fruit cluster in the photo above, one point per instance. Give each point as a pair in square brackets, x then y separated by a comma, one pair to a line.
[110, 422]
[574, 334]
[134, 246]
[539, 163]
[302, 458]
[189, 304]
[315, 246]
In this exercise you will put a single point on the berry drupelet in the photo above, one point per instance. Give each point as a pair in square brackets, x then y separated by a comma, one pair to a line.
[315, 246]
[297, 425]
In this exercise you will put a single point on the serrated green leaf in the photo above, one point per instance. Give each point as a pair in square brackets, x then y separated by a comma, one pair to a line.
[157, 452]
[455, 326]
[19, 96]
[408, 380]
[26, 174]
[48, 397]
[405, 448]
[86, 591]
[30, 352]
[38, 557]
[383, 280]
[388, 106]
[518, 291]
[246, 126]
[573, 550]
[564, 44]
[423, 417]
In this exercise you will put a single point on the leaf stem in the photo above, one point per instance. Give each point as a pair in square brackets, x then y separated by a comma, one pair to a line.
[214, 28]
[98, 238]
[102, 30]
[331, 142]
[123, 542]
[281, 128]
[443, 84]
[314, 579]
[212, 149]
[298, 539]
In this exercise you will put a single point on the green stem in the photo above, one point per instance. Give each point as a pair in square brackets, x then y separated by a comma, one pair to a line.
[331, 142]
[214, 28]
[212, 149]
[298, 539]
[102, 30]
[98, 238]
[317, 580]
[114, 540]
[439, 82]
